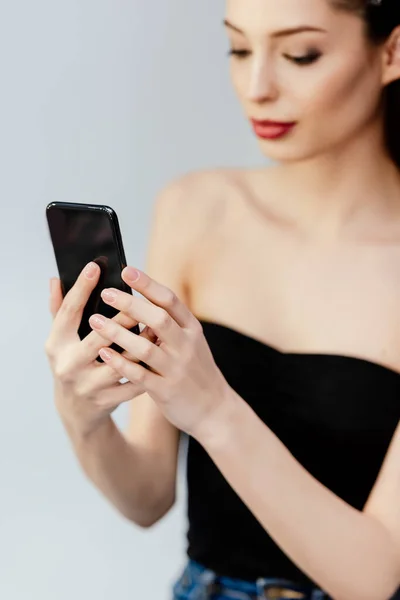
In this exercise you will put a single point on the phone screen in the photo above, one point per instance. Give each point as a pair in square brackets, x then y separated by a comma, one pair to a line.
[83, 233]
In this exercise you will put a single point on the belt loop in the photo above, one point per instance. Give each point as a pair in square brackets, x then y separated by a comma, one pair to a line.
[265, 589]
[208, 585]
[278, 589]
[260, 583]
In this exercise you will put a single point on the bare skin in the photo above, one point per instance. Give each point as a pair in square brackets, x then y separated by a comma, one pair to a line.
[136, 469]
[337, 296]
[304, 256]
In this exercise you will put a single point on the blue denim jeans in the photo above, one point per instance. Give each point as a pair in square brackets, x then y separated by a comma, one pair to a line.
[199, 583]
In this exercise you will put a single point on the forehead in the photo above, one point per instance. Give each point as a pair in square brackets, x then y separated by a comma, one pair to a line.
[262, 16]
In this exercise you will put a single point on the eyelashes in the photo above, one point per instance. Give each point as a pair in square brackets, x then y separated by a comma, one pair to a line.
[239, 53]
[306, 59]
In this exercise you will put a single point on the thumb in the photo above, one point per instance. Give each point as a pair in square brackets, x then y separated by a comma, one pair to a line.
[56, 296]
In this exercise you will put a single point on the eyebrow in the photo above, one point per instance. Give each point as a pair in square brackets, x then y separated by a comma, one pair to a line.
[282, 32]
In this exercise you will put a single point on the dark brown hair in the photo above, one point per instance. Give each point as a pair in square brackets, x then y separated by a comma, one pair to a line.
[381, 18]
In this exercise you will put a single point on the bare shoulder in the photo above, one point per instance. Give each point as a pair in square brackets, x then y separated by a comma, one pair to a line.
[201, 199]
[185, 210]
[200, 193]
[194, 204]
[195, 210]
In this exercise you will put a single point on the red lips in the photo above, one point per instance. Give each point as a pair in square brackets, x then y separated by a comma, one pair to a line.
[271, 129]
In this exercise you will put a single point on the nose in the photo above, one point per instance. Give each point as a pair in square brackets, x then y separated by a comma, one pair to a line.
[262, 85]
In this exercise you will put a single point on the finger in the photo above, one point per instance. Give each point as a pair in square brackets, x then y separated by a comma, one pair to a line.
[160, 295]
[158, 319]
[118, 394]
[56, 296]
[148, 334]
[88, 349]
[135, 373]
[137, 346]
[70, 313]
[104, 377]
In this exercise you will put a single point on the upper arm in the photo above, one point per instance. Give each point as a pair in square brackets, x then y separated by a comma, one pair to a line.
[165, 262]
[384, 501]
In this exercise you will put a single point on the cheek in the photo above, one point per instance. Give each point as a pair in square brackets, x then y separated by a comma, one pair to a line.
[240, 77]
[343, 100]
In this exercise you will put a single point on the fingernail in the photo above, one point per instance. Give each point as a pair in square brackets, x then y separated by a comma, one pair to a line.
[132, 274]
[97, 321]
[105, 354]
[109, 295]
[90, 270]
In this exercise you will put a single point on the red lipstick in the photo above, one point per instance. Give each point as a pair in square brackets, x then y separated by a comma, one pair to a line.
[271, 130]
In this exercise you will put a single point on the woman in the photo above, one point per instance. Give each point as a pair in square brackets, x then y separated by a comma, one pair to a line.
[272, 326]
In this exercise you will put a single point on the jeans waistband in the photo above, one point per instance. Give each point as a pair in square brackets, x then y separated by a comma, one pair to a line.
[199, 583]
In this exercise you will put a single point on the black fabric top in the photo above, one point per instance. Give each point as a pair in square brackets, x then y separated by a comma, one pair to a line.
[336, 415]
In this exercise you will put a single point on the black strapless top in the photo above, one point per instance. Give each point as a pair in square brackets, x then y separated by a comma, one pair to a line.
[336, 415]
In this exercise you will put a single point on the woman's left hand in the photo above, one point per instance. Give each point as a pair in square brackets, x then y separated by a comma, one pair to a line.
[183, 378]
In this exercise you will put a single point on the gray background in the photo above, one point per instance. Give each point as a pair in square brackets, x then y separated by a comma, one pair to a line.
[101, 101]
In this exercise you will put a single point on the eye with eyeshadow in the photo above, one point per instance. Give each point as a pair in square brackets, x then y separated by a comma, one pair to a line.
[306, 59]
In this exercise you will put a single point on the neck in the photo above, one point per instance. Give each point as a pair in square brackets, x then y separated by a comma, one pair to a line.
[351, 191]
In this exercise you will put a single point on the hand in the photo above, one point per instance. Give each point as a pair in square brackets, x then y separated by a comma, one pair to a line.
[182, 378]
[86, 391]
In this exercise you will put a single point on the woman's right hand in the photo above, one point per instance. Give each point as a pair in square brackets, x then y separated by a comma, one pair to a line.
[86, 391]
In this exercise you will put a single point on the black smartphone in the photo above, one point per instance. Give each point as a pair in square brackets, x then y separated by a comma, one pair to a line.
[81, 233]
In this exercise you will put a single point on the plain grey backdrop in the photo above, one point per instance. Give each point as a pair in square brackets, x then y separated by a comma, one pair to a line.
[101, 101]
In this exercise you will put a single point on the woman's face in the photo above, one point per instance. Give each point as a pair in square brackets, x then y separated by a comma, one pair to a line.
[327, 80]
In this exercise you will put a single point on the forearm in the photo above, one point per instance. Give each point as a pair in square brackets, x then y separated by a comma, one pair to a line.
[127, 475]
[346, 552]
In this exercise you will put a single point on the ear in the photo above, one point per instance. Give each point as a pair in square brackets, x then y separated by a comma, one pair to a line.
[391, 58]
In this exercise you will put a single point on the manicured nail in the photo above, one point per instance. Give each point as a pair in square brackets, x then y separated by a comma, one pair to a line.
[132, 274]
[97, 321]
[109, 295]
[105, 354]
[90, 270]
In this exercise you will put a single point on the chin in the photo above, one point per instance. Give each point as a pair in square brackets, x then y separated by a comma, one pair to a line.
[288, 151]
[285, 155]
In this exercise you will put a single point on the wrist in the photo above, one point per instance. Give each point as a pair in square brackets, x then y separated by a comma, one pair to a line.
[217, 429]
[88, 433]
